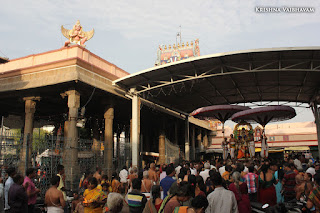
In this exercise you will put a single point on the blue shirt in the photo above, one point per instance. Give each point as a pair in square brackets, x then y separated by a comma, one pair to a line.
[166, 184]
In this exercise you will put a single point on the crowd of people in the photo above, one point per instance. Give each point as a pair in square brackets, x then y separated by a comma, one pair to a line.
[216, 186]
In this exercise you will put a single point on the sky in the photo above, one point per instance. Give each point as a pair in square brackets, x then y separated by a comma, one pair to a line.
[128, 32]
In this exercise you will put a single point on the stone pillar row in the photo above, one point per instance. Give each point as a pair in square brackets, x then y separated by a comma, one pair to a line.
[30, 108]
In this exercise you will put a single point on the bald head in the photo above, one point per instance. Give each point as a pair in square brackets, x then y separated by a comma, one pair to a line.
[299, 179]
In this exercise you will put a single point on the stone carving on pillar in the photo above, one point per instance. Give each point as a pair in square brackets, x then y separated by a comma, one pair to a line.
[70, 155]
[30, 109]
[108, 139]
[162, 148]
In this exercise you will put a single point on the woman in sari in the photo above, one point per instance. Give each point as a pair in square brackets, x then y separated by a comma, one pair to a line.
[240, 190]
[115, 183]
[93, 197]
[267, 191]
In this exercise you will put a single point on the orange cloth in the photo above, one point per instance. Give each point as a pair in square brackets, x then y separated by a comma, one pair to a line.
[240, 154]
[90, 199]
[226, 175]
[115, 184]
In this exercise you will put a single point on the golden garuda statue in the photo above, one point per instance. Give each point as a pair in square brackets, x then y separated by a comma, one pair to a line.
[76, 35]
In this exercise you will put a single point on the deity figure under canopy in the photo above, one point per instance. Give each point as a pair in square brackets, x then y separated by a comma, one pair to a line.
[76, 35]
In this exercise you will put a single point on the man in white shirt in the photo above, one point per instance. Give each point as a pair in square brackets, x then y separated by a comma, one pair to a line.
[221, 200]
[11, 172]
[193, 170]
[297, 163]
[123, 175]
[163, 173]
[222, 170]
[205, 174]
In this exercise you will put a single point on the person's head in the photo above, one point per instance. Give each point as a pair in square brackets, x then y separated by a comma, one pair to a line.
[231, 136]
[273, 166]
[317, 166]
[11, 171]
[55, 180]
[235, 177]
[187, 166]
[239, 167]
[98, 169]
[104, 178]
[31, 173]
[145, 174]
[264, 168]
[164, 167]
[115, 202]
[114, 175]
[207, 165]
[251, 168]
[307, 177]
[216, 179]
[299, 179]
[183, 192]
[170, 171]
[136, 184]
[18, 179]
[124, 167]
[93, 183]
[199, 204]
[200, 183]
[192, 180]
[228, 168]
[152, 166]
[155, 191]
[105, 187]
[317, 178]
[60, 169]
[76, 195]
[286, 167]
[135, 169]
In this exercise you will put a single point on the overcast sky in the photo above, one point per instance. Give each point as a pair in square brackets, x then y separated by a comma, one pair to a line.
[128, 32]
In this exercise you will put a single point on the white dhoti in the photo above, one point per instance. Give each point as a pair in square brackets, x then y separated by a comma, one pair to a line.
[264, 148]
[252, 150]
[232, 152]
[225, 153]
[232, 149]
[55, 209]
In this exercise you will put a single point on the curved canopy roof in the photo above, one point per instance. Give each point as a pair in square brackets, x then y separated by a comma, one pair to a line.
[261, 75]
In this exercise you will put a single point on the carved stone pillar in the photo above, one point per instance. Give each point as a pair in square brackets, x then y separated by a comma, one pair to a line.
[199, 140]
[108, 140]
[193, 142]
[187, 133]
[25, 153]
[70, 154]
[162, 147]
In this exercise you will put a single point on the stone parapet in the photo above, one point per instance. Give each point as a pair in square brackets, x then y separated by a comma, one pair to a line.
[63, 54]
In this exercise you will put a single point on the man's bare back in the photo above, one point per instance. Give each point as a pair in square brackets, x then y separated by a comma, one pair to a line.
[54, 197]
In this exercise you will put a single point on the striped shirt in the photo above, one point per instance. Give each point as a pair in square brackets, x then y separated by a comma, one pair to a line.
[289, 182]
[136, 201]
[250, 179]
[314, 197]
